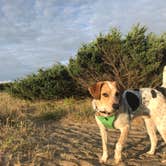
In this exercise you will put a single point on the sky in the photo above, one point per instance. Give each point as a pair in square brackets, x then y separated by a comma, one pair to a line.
[39, 33]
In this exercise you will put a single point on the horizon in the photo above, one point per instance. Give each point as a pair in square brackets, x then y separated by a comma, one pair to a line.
[43, 33]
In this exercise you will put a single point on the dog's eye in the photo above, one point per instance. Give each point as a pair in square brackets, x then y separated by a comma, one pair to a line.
[117, 94]
[105, 94]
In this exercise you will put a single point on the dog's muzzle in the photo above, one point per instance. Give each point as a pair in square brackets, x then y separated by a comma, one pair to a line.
[115, 106]
[105, 113]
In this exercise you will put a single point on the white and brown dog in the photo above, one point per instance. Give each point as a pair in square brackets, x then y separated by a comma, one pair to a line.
[116, 110]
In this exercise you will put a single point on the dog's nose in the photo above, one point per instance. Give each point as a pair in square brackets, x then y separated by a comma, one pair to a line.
[115, 106]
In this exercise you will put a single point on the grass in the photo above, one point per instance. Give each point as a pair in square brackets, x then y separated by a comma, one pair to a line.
[24, 126]
[13, 110]
[46, 132]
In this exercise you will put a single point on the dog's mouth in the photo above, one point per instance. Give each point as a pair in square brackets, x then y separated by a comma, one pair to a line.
[105, 113]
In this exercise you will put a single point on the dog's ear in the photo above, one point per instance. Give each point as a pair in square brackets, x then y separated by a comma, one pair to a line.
[95, 90]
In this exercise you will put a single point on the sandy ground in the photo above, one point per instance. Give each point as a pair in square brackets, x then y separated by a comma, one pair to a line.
[76, 144]
[80, 144]
[30, 137]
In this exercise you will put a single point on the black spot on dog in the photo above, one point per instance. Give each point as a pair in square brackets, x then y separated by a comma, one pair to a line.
[154, 94]
[132, 100]
[162, 90]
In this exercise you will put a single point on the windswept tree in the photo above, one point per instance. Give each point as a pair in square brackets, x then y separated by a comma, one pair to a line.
[133, 60]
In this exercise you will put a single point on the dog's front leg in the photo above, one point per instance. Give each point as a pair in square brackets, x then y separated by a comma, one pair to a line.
[104, 141]
[151, 129]
[119, 145]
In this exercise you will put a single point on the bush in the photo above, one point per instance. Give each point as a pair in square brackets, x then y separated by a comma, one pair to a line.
[4, 86]
[135, 60]
[52, 83]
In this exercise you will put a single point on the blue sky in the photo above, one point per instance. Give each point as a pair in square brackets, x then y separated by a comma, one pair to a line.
[39, 33]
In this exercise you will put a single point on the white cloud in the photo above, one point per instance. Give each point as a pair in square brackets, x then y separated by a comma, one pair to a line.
[36, 33]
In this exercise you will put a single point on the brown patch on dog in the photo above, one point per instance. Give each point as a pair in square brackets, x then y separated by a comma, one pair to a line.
[106, 96]
[95, 90]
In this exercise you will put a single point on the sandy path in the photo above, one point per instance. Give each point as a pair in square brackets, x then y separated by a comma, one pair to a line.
[77, 144]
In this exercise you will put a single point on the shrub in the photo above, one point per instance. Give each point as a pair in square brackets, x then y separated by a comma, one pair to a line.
[133, 60]
[4, 86]
[52, 83]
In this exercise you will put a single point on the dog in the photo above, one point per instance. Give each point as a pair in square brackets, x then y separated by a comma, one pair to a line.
[116, 110]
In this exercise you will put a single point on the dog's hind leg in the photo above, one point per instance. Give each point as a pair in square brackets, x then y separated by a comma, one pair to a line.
[104, 141]
[119, 145]
[151, 129]
[163, 134]
[162, 128]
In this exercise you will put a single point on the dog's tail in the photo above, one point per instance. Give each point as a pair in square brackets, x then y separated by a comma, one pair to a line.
[164, 77]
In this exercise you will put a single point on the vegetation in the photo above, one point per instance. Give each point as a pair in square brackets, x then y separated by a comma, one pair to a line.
[52, 83]
[25, 125]
[134, 60]
[29, 132]
[4, 86]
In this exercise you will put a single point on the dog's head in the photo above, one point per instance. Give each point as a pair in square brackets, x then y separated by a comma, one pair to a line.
[106, 97]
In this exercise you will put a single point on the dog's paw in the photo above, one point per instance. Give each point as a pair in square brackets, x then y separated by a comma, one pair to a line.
[118, 160]
[103, 159]
[163, 161]
[150, 152]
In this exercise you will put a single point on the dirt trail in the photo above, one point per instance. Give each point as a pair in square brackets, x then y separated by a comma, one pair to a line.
[76, 144]
[80, 144]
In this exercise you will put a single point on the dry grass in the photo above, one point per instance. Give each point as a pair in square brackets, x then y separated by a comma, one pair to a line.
[47, 133]
[14, 110]
[24, 126]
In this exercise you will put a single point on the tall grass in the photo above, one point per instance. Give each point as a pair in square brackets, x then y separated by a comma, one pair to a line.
[14, 110]
[24, 125]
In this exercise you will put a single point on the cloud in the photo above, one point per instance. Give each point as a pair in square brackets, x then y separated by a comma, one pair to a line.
[123, 14]
[38, 33]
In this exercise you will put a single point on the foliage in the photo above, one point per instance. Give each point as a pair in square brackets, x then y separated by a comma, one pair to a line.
[4, 86]
[52, 83]
[134, 60]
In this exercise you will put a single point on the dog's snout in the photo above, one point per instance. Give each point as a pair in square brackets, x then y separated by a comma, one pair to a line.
[115, 106]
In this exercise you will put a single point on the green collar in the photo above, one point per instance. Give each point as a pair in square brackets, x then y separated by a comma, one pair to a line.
[108, 122]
